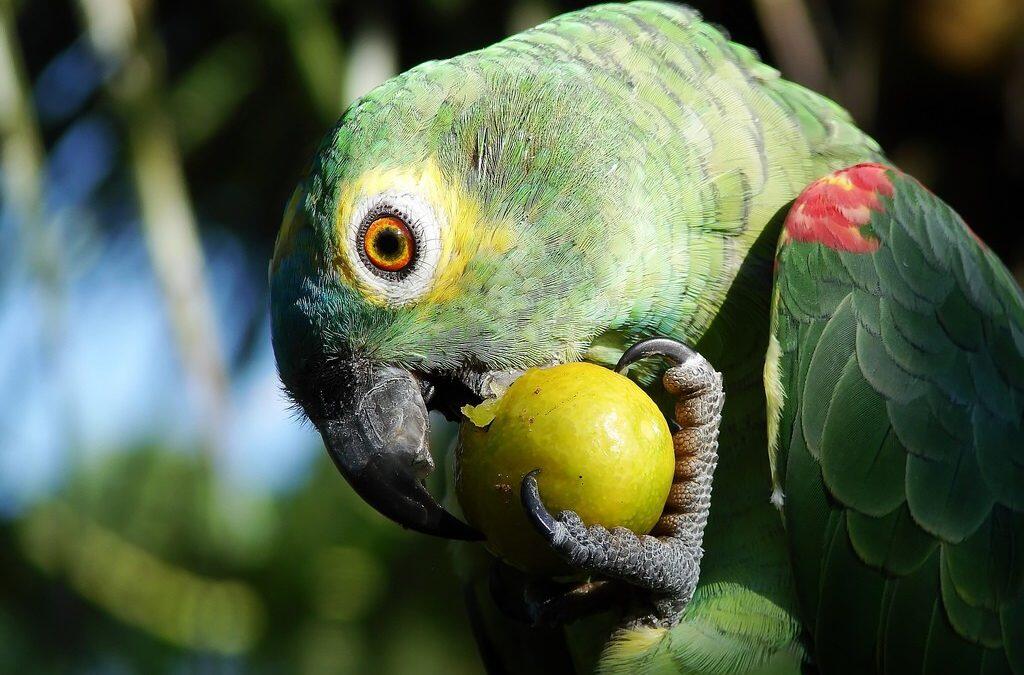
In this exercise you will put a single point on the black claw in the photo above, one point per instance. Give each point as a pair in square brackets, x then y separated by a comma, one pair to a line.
[659, 346]
[578, 602]
[538, 514]
[542, 602]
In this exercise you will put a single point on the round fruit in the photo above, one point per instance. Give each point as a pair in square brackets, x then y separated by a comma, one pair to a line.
[602, 445]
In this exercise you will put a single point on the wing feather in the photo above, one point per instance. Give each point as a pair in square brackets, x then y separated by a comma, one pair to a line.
[902, 430]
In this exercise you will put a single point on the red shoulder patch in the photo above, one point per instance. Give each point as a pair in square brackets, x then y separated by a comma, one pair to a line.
[833, 210]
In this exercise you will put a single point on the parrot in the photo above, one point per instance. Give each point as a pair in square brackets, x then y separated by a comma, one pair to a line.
[842, 358]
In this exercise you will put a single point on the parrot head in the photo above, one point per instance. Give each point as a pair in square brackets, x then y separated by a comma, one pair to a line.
[452, 226]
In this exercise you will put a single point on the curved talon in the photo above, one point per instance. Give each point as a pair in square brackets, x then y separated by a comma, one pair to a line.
[659, 346]
[539, 601]
[529, 494]
[662, 570]
[578, 601]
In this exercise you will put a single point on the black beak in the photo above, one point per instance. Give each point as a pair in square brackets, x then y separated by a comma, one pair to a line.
[377, 436]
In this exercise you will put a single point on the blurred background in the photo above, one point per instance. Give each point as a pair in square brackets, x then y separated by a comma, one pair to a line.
[161, 508]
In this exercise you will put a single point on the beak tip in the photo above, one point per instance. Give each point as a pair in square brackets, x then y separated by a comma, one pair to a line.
[451, 527]
[378, 443]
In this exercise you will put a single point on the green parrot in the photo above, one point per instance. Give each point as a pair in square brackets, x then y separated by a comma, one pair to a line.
[623, 182]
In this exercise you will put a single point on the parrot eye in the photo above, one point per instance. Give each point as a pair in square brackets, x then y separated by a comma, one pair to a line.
[393, 245]
[388, 244]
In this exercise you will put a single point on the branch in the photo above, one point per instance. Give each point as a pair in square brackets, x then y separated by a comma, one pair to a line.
[121, 36]
[794, 43]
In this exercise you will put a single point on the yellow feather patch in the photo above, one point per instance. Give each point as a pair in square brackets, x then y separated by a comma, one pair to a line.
[629, 644]
[290, 226]
[839, 180]
[462, 232]
[776, 397]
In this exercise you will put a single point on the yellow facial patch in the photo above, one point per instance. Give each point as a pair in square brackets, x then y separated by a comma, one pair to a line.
[460, 232]
[292, 223]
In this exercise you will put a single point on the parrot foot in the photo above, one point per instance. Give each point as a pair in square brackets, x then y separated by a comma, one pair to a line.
[665, 567]
[543, 602]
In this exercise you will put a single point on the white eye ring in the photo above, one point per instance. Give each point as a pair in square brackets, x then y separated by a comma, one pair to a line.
[425, 226]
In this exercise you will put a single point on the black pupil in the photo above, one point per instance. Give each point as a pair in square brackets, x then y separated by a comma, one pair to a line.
[389, 243]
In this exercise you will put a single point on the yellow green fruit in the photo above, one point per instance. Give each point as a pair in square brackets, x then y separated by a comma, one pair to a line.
[603, 447]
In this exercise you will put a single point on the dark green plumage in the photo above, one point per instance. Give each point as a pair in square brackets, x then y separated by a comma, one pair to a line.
[901, 440]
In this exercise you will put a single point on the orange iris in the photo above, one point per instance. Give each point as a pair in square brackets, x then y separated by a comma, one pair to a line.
[389, 244]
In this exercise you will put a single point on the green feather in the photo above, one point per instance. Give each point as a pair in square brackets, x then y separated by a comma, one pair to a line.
[960, 320]
[903, 643]
[946, 649]
[947, 496]
[805, 498]
[842, 644]
[1011, 618]
[887, 377]
[831, 354]
[1000, 458]
[976, 623]
[862, 461]
[893, 543]
[925, 361]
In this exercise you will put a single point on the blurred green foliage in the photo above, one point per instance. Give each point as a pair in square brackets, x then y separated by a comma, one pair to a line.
[179, 129]
[143, 562]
